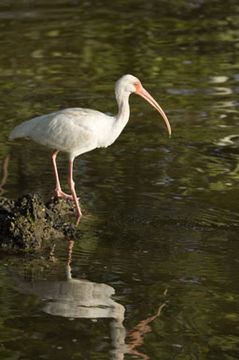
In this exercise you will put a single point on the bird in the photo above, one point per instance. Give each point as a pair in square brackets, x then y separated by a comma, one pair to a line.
[76, 131]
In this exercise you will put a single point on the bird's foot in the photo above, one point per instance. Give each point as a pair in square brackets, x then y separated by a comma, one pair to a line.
[60, 193]
[78, 220]
[79, 213]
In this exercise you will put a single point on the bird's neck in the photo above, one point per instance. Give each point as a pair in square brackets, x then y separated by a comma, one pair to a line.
[122, 117]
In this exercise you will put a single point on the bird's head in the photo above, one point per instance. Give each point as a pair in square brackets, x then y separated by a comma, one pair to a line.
[129, 84]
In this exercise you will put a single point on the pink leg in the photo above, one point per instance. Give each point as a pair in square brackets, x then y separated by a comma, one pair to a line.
[58, 190]
[73, 192]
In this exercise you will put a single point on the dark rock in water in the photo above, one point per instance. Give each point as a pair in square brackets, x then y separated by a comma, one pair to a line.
[29, 224]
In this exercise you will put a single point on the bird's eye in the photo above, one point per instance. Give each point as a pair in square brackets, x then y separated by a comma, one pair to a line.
[135, 84]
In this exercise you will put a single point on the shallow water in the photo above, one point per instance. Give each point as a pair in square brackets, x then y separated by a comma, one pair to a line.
[154, 274]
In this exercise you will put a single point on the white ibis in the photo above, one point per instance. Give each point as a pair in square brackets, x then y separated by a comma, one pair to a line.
[78, 130]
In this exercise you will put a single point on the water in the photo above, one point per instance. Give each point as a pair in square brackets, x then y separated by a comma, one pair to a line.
[154, 274]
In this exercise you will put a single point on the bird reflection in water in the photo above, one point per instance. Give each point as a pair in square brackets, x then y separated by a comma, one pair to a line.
[80, 298]
[4, 174]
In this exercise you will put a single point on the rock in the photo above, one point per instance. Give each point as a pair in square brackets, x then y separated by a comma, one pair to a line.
[29, 224]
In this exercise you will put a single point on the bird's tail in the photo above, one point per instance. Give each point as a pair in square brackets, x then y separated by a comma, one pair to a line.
[19, 131]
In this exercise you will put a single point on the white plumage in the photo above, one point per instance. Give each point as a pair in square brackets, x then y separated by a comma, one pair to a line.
[73, 131]
[78, 130]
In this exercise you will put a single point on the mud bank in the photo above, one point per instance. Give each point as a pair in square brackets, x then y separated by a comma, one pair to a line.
[30, 224]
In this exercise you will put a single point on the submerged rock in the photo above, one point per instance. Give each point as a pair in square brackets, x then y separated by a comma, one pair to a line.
[31, 224]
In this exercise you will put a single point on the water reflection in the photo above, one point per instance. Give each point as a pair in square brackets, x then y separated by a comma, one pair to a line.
[229, 140]
[80, 298]
[4, 174]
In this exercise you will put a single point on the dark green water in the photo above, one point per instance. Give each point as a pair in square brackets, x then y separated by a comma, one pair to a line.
[162, 224]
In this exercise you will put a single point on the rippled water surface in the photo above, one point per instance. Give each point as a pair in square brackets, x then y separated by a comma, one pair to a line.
[154, 274]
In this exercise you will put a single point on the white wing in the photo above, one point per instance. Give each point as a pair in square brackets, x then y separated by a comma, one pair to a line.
[73, 130]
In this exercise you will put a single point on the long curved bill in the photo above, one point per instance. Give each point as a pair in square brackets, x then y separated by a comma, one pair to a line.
[144, 93]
